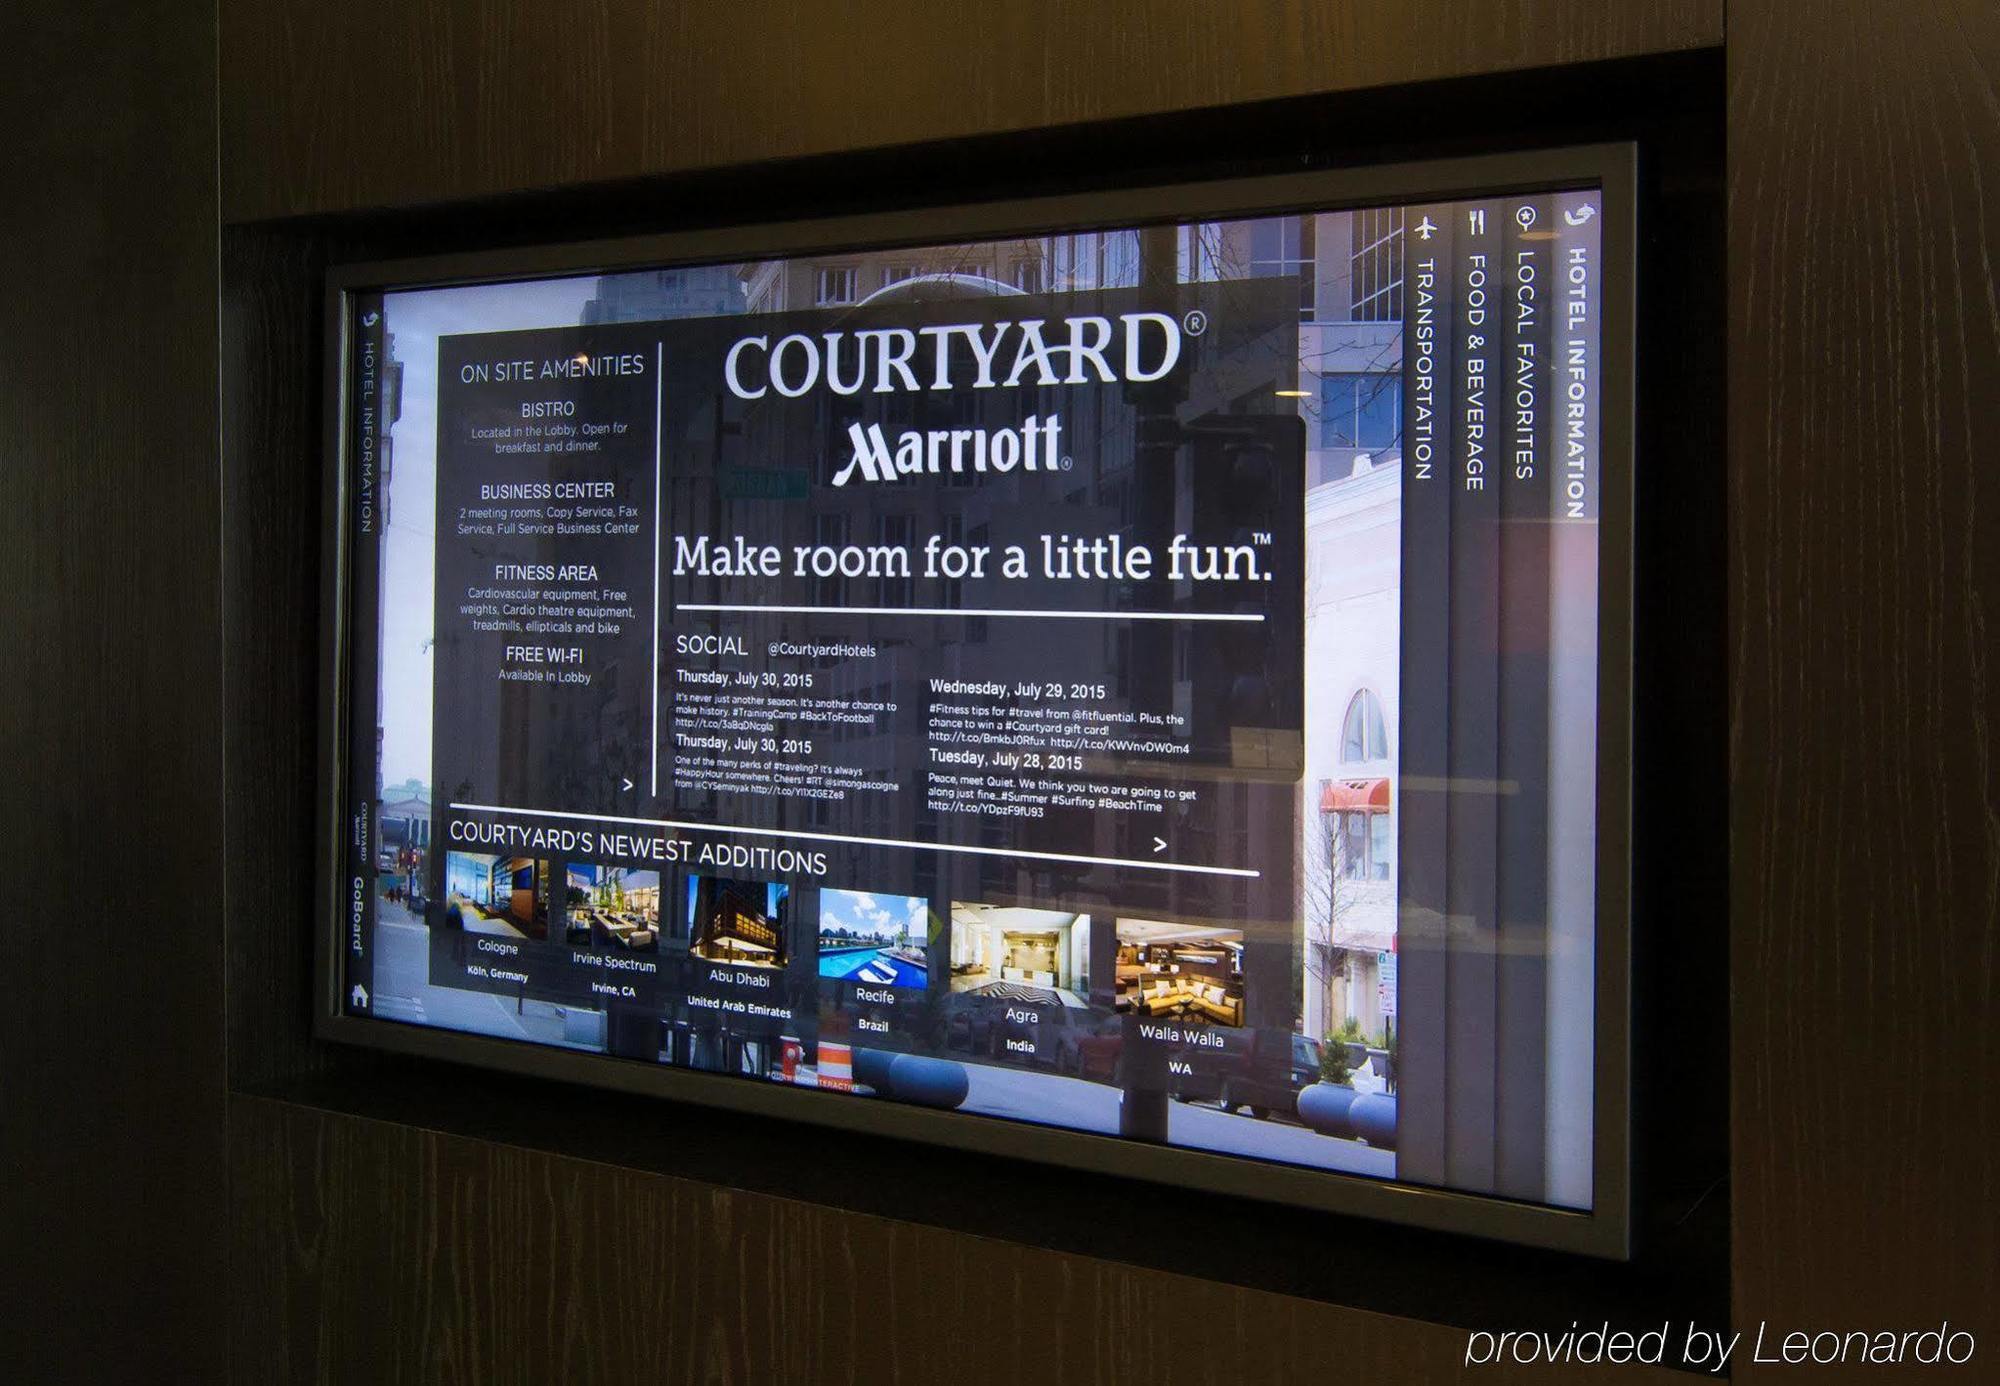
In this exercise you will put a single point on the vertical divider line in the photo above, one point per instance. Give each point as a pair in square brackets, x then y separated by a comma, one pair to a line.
[659, 442]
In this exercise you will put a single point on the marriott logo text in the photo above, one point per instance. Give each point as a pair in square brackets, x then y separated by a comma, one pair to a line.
[1032, 448]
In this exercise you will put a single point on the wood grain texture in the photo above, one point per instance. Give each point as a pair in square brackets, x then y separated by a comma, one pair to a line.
[1865, 571]
[385, 102]
[393, 1255]
[271, 473]
[112, 1151]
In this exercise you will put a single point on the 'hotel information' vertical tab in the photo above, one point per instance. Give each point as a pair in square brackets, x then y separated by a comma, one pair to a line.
[1578, 330]
[367, 436]
[1573, 692]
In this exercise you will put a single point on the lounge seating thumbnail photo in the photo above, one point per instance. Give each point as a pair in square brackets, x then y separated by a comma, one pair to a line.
[741, 923]
[875, 939]
[614, 908]
[1182, 972]
[486, 894]
[1028, 957]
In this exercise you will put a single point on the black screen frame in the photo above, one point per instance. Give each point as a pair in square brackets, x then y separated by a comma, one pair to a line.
[1604, 1230]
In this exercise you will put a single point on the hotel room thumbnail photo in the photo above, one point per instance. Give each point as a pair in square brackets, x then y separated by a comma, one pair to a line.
[1026, 957]
[1188, 973]
[613, 908]
[487, 894]
[738, 923]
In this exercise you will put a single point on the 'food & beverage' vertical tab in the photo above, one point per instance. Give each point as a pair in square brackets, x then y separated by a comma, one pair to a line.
[1473, 817]
[548, 470]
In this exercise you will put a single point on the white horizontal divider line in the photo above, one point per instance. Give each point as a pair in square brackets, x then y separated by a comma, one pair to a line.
[1134, 862]
[1053, 614]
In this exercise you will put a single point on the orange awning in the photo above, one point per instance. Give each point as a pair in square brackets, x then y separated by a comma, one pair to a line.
[1354, 796]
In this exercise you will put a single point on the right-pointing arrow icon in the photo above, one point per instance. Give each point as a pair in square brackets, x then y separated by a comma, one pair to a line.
[1159, 845]
[628, 781]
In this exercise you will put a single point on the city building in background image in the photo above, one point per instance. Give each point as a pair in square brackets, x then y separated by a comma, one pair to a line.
[1350, 391]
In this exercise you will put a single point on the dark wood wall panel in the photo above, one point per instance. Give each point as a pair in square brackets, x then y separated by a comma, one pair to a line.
[112, 1153]
[1864, 556]
[271, 479]
[1865, 585]
[390, 1254]
[382, 102]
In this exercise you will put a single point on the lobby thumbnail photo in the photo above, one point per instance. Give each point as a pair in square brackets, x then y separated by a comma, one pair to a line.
[1029, 957]
[1182, 972]
[879, 940]
[507, 896]
[614, 908]
[741, 923]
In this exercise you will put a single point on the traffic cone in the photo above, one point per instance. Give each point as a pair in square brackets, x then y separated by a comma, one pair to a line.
[836, 1066]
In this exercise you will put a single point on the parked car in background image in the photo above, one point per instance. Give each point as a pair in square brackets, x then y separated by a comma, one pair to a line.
[1265, 1076]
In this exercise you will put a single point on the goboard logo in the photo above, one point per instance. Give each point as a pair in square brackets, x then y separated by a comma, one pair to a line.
[1135, 348]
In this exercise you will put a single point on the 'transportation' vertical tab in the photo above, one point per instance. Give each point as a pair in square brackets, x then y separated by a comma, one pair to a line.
[1429, 355]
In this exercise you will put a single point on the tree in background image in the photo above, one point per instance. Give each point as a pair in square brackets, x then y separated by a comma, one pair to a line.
[1325, 898]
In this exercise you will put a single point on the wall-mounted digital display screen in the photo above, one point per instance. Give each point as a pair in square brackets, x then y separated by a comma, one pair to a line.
[1141, 680]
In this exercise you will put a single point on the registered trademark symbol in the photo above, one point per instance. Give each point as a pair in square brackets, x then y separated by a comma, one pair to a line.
[1067, 462]
[1196, 323]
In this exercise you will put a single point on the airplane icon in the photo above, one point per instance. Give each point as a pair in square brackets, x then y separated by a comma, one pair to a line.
[1426, 228]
